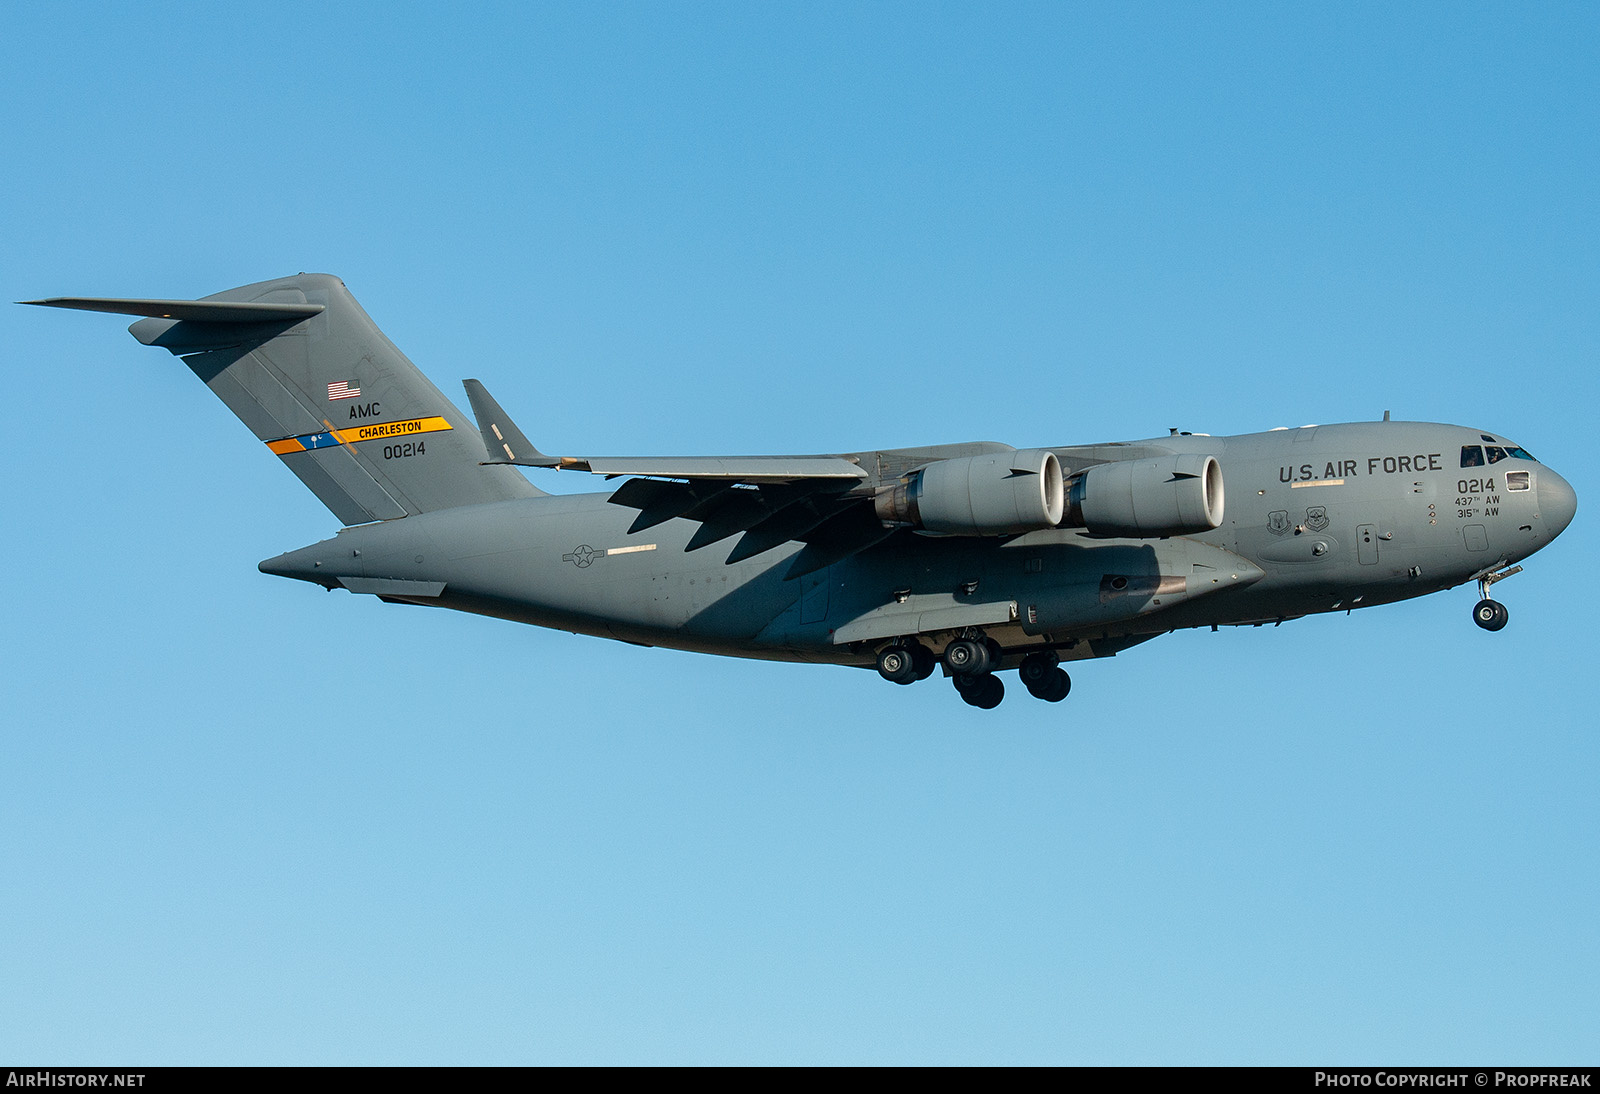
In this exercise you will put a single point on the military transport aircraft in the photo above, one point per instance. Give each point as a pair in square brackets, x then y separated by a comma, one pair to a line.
[970, 558]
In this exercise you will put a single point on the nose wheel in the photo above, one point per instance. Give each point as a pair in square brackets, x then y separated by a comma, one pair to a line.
[1489, 613]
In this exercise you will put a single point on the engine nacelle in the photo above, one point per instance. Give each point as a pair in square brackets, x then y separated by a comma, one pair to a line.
[990, 495]
[1168, 496]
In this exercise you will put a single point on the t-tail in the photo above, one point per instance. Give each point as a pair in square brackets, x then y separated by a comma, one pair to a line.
[305, 368]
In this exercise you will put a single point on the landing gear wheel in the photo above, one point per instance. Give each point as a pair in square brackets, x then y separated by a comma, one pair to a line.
[966, 657]
[1491, 615]
[897, 664]
[1035, 670]
[922, 657]
[1053, 688]
[983, 692]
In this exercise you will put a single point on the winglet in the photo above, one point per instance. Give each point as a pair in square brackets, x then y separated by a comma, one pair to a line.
[505, 442]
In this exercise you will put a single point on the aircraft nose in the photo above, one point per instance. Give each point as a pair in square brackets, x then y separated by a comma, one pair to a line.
[1558, 501]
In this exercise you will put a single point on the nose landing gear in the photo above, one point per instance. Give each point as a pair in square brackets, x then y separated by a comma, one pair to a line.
[1489, 614]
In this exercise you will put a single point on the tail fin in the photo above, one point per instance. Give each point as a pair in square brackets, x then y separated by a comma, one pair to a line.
[303, 366]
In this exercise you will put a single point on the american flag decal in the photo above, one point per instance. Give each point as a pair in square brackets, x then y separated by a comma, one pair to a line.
[344, 389]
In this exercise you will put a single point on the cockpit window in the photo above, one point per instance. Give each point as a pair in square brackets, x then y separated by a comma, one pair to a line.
[1496, 453]
[1471, 455]
[1518, 453]
[1517, 480]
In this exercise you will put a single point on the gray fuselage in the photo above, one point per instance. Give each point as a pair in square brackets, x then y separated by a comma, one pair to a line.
[1317, 519]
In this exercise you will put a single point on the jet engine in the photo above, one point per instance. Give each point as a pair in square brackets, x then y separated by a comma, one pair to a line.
[990, 495]
[1168, 496]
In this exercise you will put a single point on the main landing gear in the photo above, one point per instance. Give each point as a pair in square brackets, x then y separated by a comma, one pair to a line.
[1489, 614]
[1043, 676]
[970, 663]
[983, 690]
[906, 663]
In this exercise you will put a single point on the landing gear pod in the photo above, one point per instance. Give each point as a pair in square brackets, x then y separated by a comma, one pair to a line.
[1168, 496]
[990, 495]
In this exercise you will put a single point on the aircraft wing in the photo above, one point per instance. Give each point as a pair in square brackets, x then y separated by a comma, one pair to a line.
[823, 501]
[508, 444]
[749, 469]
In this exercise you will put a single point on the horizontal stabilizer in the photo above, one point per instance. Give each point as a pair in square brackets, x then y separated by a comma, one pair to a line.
[505, 442]
[194, 311]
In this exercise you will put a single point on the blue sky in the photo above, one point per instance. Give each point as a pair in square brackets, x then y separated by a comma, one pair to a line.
[247, 821]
